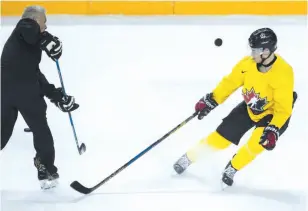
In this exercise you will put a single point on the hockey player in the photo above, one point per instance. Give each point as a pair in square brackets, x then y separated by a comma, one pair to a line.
[267, 88]
[23, 88]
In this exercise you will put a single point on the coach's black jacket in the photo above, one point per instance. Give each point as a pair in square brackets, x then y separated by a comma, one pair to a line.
[21, 55]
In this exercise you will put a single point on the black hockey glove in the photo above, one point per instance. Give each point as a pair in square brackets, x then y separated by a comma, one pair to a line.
[51, 45]
[205, 105]
[269, 137]
[65, 103]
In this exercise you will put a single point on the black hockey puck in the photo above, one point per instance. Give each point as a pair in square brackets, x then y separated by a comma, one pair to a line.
[218, 42]
[27, 130]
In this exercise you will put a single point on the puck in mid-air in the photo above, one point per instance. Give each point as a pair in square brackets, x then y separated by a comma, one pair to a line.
[218, 42]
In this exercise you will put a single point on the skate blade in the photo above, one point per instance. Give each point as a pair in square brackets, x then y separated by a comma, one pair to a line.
[223, 186]
[48, 184]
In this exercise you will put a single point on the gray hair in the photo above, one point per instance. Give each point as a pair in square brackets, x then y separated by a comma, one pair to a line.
[33, 12]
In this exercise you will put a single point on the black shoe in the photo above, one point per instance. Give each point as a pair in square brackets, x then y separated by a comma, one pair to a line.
[228, 174]
[47, 180]
[42, 173]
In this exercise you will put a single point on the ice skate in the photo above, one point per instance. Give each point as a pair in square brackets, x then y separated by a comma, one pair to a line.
[182, 164]
[228, 175]
[51, 182]
[47, 180]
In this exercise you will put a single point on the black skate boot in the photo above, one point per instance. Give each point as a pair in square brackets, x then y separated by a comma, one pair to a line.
[228, 174]
[42, 173]
[182, 164]
[46, 179]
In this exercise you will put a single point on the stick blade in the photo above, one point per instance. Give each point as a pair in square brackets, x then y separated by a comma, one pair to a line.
[80, 188]
[82, 148]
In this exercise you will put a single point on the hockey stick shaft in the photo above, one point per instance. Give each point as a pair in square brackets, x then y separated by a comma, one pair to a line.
[80, 188]
[69, 113]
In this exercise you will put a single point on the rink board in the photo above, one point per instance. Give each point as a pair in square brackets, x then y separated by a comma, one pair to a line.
[15, 8]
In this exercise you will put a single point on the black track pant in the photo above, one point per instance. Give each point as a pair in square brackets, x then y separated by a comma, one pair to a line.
[33, 109]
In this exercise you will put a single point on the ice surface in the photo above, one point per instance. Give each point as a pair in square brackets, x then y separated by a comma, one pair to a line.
[135, 79]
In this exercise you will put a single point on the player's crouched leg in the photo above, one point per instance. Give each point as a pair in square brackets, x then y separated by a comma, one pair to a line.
[230, 131]
[244, 156]
[251, 149]
[205, 147]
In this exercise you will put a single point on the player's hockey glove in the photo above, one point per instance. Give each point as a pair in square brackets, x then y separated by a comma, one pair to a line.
[65, 103]
[51, 45]
[269, 137]
[205, 105]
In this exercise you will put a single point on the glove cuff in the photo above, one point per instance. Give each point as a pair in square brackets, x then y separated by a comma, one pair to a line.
[273, 129]
[210, 101]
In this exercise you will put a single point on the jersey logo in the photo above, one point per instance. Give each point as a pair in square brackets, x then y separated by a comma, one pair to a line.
[254, 101]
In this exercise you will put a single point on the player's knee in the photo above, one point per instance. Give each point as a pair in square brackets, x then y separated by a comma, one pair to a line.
[249, 151]
[207, 146]
[253, 145]
[216, 141]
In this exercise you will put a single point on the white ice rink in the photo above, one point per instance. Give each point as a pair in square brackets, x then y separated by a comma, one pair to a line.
[137, 78]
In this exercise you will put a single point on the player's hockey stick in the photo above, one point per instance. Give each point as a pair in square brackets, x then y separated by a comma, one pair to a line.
[82, 189]
[82, 147]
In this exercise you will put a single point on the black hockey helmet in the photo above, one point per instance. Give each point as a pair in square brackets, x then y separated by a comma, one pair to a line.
[263, 38]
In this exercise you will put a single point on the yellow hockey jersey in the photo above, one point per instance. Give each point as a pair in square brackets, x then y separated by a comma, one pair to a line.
[265, 93]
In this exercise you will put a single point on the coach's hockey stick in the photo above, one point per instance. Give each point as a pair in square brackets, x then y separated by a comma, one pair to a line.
[82, 147]
[82, 189]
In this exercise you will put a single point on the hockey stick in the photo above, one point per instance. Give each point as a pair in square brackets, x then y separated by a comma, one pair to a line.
[82, 147]
[82, 189]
